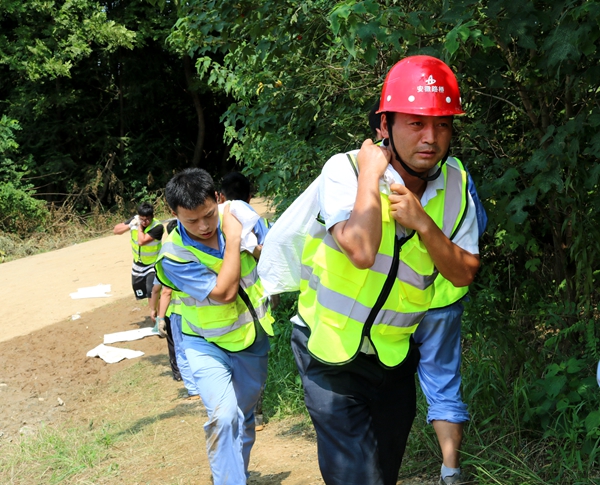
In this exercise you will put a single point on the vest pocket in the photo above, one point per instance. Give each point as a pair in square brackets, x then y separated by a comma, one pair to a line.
[420, 298]
[415, 256]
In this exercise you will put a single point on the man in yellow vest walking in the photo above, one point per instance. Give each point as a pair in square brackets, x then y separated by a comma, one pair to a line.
[225, 321]
[439, 339]
[391, 219]
[146, 235]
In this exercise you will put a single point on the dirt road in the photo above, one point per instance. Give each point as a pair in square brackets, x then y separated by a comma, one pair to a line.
[36, 290]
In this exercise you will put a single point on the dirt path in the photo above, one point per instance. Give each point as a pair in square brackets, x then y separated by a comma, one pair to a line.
[36, 290]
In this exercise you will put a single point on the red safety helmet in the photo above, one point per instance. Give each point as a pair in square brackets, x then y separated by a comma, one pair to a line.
[421, 85]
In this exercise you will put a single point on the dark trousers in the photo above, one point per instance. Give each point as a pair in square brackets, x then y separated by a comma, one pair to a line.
[171, 346]
[362, 414]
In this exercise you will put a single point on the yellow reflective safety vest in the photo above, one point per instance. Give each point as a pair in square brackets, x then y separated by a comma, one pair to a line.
[147, 253]
[175, 303]
[231, 326]
[446, 293]
[342, 304]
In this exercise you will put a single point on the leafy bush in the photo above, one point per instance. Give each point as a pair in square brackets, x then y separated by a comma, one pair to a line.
[20, 212]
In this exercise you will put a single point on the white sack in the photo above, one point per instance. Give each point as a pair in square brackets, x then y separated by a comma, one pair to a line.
[248, 217]
[279, 266]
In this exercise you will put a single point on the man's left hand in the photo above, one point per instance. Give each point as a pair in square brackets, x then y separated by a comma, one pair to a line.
[406, 208]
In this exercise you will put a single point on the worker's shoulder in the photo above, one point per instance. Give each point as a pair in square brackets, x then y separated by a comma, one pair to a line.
[455, 163]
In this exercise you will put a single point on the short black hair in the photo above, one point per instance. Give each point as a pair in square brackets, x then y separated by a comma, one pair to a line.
[375, 118]
[145, 209]
[189, 189]
[236, 186]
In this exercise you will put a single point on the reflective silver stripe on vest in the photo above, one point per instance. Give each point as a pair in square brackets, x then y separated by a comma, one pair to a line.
[148, 253]
[350, 308]
[383, 263]
[452, 199]
[250, 279]
[306, 272]
[244, 319]
[178, 251]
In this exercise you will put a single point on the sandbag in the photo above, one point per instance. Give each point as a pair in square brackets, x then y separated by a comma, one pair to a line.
[280, 265]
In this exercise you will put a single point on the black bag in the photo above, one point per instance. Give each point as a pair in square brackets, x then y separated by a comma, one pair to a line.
[140, 286]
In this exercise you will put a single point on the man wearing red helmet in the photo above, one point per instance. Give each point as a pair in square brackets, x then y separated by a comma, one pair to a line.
[369, 263]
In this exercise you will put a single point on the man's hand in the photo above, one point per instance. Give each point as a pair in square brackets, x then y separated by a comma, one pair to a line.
[257, 251]
[406, 208]
[373, 158]
[135, 222]
[232, 228]
[162, 327]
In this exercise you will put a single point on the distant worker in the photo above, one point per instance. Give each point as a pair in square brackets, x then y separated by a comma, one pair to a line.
[225, 319]
[236, 186]
[146, 235]
[439, 339]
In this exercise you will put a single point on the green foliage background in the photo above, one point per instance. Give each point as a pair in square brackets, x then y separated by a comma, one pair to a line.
[286, 84]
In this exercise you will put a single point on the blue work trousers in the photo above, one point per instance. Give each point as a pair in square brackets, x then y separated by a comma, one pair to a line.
[229, 384]
[362, 413]
[439, 340]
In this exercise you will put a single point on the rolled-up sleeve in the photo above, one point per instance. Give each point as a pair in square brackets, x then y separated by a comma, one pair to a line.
[337, 190]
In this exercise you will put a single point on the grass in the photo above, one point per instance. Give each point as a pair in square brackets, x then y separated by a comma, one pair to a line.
[124, 435]
[283, 391]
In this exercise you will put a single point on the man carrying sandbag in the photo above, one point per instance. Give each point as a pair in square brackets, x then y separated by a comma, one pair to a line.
[368, 266]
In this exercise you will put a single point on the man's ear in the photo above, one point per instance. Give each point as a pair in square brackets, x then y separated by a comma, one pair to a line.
[173, 213]
[383, 126]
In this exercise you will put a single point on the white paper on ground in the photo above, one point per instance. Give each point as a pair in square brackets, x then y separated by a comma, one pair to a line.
[112, 355]
[128, 335]
[98, 291]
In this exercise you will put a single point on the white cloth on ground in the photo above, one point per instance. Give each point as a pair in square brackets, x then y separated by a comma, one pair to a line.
[128, 335]
[112, 355]
[98, 291]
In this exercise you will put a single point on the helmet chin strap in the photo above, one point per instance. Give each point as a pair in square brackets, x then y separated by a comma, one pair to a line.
[410, 170]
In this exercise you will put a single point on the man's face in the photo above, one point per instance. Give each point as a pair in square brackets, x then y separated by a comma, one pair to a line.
[200, 223]
[145, 221]
[421, 141]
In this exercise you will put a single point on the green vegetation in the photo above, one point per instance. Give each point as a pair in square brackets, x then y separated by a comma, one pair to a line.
[100, 110]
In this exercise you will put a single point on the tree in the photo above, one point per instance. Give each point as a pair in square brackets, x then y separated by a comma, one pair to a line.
[104, 105]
